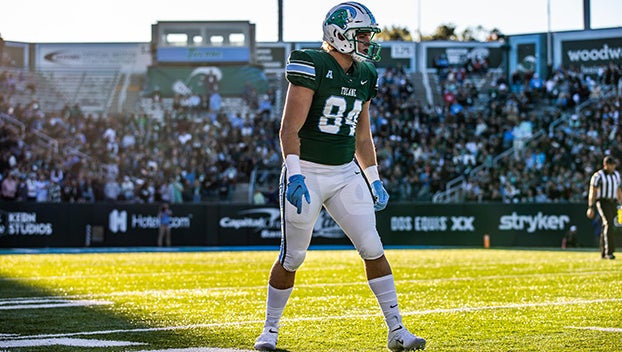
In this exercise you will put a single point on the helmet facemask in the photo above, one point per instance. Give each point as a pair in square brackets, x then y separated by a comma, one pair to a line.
[372, 52]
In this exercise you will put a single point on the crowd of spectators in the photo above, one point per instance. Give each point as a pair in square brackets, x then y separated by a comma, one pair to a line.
[202, 154]
[554, 147]
[185, 156]
[557, 167]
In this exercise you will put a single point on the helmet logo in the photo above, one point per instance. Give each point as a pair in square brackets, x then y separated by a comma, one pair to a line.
[342, 27]
[341, 17]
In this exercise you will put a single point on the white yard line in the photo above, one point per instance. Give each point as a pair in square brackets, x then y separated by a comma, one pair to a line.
[595, 328]
[117, 331]
[319, 318]
[513, 306]
[199, 349]
[199, 291]
[64, 341]
[213, 272]
[46, 302]
[119, 275]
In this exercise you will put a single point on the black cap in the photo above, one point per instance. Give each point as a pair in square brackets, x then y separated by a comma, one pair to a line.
[609, 160]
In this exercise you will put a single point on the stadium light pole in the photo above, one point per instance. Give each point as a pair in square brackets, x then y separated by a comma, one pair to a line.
[418, 20]
[549, 49]
[280, 20]
[587, 15]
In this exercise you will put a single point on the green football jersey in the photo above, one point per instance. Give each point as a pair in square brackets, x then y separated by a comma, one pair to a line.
[327, 136]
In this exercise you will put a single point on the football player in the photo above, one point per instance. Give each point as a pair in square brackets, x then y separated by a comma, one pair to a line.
[330, 161]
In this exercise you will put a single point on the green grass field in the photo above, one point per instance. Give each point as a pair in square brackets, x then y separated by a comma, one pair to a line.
[458, 299]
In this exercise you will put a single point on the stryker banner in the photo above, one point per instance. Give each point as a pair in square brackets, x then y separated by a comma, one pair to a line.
[465, 224]
[30, 224]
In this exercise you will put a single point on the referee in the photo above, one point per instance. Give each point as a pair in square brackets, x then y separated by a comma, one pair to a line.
[604, 196]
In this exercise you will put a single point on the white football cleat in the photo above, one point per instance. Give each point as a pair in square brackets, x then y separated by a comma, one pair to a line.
[400, 339]
[267, 340]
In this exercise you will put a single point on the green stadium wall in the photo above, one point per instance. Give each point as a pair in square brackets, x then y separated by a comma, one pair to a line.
[31, 225]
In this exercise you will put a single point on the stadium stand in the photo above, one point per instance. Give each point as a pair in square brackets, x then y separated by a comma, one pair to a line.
[92, 90]
[469, 136]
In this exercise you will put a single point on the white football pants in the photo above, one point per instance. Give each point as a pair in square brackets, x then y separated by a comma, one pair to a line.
[344, 192]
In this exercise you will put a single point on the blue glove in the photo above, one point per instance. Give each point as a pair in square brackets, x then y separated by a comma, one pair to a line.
[296, 188]
[381, 197]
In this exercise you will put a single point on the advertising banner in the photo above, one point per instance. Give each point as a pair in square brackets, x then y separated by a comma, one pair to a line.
[592, 54]
[507, 225]
[40, 225]
[29, 224]
[138, 224]
[125, 57]
[184, 80]
[459, 54]
[272, 57]
[392, 54]
[251, 225]
[204, 55]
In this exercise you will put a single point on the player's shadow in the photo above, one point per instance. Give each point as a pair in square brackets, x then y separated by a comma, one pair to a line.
[32, 316]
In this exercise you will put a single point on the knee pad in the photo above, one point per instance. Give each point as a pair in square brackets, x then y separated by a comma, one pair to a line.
[369, 246]
[293, 259]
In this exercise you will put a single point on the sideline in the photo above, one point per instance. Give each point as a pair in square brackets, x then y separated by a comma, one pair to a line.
[148, 249]
[275, 248]
[184, 249]
[181, 249]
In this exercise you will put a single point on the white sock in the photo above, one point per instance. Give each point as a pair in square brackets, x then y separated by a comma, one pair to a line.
[384, 289]
[277, 299]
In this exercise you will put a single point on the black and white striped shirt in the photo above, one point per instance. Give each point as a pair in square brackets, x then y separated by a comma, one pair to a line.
[606, 184]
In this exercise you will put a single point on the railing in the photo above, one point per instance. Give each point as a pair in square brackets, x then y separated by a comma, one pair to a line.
[454, 188]
[92, 89]
[49, 141]
[69, 150]
[14, 122]
[453, 191]
[262, 179]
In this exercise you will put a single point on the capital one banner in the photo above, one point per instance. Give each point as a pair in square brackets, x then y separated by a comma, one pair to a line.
[251, 225]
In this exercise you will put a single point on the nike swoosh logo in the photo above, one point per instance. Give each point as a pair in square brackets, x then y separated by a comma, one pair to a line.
[357, 172]
[363, 83]
[397, 328]
[393, 306]
[273, 331]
